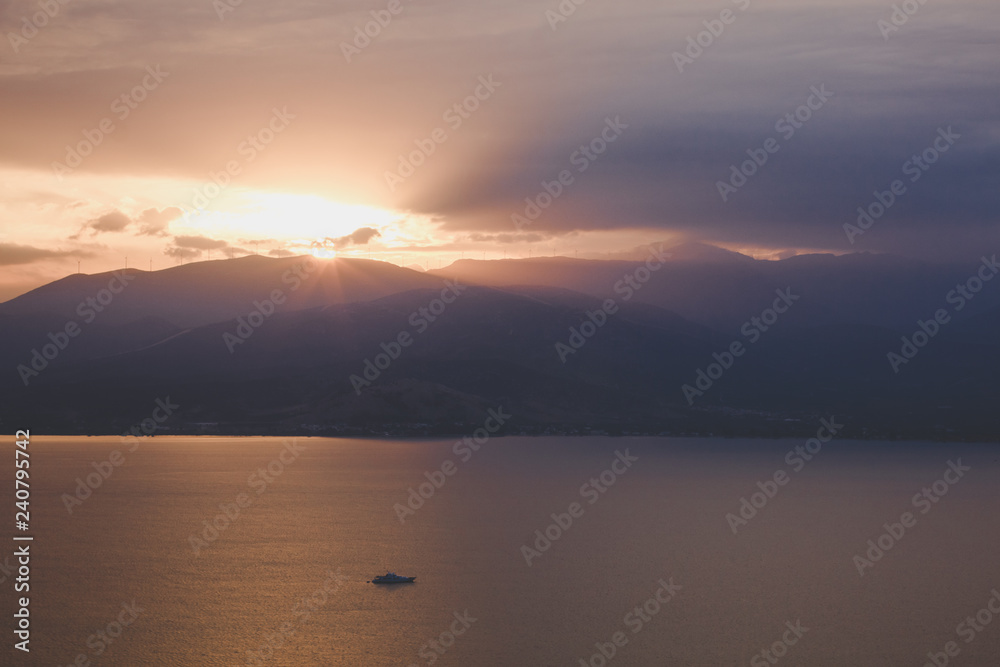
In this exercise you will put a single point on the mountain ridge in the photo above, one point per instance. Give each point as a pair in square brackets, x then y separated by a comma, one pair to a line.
[564, 359]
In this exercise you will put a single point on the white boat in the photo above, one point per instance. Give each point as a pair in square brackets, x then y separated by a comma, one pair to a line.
[392, 578]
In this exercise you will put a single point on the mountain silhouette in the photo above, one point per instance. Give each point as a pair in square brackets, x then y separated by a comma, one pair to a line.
[535, 336]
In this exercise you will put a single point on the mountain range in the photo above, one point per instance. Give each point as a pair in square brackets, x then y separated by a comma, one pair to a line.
[689, 339]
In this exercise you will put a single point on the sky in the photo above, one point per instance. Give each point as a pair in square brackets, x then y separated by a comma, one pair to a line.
[197, 129]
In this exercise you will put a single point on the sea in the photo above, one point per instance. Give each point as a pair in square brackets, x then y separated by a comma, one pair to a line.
[571, 551]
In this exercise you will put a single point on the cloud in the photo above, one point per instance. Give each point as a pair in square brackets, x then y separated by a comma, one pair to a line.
[116, 221]
[281, 252]
[182, 253]
[12, 253]
[199, 243]
[685, 132]
[508, 238]
[151, 222]
[192, 247]
[357, 237]
[154, 222]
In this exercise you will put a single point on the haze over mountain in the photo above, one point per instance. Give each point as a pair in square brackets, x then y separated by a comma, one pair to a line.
[721, 289]
[495, 340]
[206, 292]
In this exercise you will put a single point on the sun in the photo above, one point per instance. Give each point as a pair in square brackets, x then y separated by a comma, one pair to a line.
[322, 253]
[311, 216]
[291, 218]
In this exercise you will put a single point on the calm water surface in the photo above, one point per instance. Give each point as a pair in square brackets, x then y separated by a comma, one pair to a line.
[325, 524]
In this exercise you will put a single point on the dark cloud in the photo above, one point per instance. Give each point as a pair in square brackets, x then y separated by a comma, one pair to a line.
[151, 222]
[193, 247]
[12, 254]
[558, 87]
[199, 243]
[116, 221]
[479, 237]
[357, 237]
[182, 253]
[154, 222]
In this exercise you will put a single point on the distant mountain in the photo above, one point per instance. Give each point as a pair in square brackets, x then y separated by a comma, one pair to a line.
[330, 359]
[705, 253]
[684, 252]
[204, 292]
[488, 348]
[722, 289]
